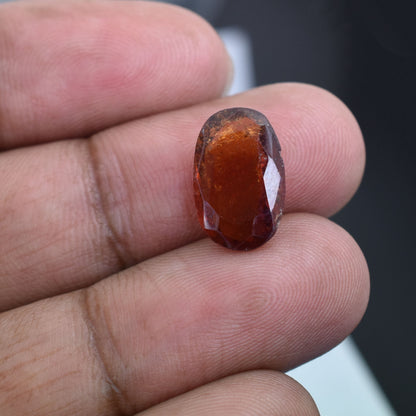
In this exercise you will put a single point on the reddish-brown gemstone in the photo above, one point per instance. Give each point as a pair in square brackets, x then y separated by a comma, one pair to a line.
[239, 178]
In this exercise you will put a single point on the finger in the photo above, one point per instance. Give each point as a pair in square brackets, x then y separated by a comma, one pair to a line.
[184, 319]
[127, 194]
[247, 394]
[72, 68]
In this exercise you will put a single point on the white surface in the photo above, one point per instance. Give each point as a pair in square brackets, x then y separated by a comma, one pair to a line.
[340, 381]
[238, 45]
[342, 384]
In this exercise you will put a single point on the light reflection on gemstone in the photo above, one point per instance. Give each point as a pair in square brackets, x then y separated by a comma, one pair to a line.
[271, 179]
[211, 218]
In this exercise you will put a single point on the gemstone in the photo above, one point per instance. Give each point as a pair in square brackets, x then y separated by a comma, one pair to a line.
[239, 178]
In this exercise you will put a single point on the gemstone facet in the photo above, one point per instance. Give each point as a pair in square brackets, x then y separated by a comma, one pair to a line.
[239, 178]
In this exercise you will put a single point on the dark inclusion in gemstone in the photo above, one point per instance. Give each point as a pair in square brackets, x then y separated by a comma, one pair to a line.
[239, 178]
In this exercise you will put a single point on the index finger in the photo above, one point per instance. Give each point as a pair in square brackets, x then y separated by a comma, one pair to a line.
[77, 67]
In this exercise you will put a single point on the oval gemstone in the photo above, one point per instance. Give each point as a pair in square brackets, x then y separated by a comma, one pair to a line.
[239, 178]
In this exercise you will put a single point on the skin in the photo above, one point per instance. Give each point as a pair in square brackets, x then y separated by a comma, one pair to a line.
[112, 302]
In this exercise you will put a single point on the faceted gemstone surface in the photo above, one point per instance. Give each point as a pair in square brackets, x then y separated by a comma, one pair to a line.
[239, 178]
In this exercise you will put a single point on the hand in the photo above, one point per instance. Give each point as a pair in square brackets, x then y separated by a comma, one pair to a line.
[111, 302]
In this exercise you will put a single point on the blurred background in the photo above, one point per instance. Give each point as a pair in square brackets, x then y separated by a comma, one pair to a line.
[365, 53]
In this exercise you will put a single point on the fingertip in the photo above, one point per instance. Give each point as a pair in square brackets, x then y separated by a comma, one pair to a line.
[217, 74]
[349, 144]
[323, 140]
[333, 272]
[355, 288]
[252, 393]
[106, 62]
[296, 399]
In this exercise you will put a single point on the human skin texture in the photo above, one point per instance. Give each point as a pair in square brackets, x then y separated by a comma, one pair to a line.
[111, 300]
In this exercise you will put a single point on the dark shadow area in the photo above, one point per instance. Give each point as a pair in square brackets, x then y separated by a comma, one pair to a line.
[364, 52]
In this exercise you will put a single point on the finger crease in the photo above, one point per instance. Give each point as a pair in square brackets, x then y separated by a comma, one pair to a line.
[115, 398]
[100, 206]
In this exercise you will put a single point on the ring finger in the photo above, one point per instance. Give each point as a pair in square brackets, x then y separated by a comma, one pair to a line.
[184, 319]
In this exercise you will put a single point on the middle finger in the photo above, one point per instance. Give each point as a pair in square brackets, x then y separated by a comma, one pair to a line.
[76, 211]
